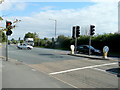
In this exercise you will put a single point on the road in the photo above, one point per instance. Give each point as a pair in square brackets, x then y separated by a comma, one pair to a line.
[75, 72]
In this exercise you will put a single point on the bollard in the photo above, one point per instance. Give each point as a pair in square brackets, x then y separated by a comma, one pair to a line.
[105, 51]
[72, 47]
[105, 55]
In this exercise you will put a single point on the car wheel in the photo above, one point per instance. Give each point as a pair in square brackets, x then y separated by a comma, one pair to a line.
[29, 48]
[19, 48]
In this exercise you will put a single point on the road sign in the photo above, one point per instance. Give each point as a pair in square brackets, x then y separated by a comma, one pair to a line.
[105, 49]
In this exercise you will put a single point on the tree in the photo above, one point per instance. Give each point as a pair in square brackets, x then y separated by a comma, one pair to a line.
[63, 42]
[19, 39]
[13, 41]
[30, 35]
[34, 36]
[2, 36]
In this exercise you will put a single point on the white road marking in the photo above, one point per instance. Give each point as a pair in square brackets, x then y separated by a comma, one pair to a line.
[65, 82]
[70, 70]
[99, 69]
[33, 69]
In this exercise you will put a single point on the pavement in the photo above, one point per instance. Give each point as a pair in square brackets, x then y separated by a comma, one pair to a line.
[16, 74]
[95, 57]
[0, 68]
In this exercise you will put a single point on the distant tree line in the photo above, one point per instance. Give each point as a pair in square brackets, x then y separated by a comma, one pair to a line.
[63, 42]
[99, 41]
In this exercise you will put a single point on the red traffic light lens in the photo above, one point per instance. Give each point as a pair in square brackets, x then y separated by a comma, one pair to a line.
[9, 23]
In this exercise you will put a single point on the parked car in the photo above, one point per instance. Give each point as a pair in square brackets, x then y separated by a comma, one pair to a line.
[85, 49]
[24, 46]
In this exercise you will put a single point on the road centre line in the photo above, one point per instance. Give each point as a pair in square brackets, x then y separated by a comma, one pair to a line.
[70, 70]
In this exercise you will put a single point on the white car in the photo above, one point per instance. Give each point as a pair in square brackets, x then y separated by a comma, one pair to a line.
[24, 46]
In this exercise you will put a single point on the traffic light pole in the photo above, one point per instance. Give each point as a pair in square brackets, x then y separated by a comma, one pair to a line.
[6, 47]
[89, 45]
[76, 45]
[75, 35]
[75, 42]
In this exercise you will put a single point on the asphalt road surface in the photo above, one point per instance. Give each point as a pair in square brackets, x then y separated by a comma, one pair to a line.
[70, 71]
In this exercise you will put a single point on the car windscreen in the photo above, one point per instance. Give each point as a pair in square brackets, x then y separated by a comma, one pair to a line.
[90, 47]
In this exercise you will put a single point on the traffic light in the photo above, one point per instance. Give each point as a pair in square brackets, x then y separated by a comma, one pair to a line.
[8, 24]
[77, 31]
[9, 32]
[8, 27]
[73, 33]
[92, 29]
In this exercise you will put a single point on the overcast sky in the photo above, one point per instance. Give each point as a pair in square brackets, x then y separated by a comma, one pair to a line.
[35, 15]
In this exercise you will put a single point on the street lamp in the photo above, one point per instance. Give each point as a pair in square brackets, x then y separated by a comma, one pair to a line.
[16, 21]
[55, 26]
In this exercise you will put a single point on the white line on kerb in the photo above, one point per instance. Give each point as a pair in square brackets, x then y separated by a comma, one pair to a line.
[70, 70]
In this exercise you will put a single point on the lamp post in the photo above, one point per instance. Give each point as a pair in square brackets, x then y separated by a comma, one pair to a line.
[55, 26]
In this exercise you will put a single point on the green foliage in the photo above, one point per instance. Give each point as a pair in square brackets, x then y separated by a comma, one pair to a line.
[63, 42]
[110, 40]
[36, 41]
[83, 40]
[99, 41]
[21, 41]
[2, 36]
[30, 35]
[13, 41]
